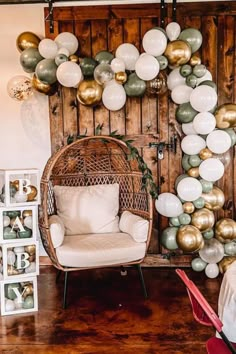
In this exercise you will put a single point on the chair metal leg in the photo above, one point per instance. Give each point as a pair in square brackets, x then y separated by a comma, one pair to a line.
[65, 290]
[227, 342]
[138, 266]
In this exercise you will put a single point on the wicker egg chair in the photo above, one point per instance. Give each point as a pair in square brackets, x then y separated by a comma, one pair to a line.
[95, 160]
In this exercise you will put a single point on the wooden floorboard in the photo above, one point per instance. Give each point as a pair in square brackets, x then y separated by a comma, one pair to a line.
[107, 314]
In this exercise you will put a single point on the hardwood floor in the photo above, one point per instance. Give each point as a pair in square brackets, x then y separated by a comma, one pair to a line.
[107, 314]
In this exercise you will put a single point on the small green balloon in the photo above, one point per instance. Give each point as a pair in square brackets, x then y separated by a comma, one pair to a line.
[191, 80]
[29, 59]
[185, 162]
[9, 292]
[206, 185]
[230, 248]
[163, 61]
[60, 58]
[185, 113]
[199, 203]
[12, 213]
[185, 70]
[209, 83]
[184, 219]
[46, 71]
[199, 70]
[168, 238]
[232, 135]
[174, 221]
[135, 87]
[198, 265]
[194, 160]
[208, 234]
[27, 233]
[104, 57]
[193, 37]
[87, 66]
[28, 303]
[8, 233]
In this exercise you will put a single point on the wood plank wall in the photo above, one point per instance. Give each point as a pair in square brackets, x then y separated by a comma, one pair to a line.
[148, 119]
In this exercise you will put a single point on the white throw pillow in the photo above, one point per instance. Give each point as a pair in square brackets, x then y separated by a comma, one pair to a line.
[57, 230]
[134, 225]
[90, 209]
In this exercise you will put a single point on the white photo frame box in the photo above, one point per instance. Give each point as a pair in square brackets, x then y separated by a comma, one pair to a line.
[19, 187]
[19, 260]
[19, 296]
[18, 224]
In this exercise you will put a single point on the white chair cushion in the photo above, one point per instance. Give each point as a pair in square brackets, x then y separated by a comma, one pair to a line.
[134, 225]
[57, 230]
[91, 209]
[99, 250]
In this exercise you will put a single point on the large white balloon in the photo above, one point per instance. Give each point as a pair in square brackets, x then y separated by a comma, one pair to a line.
[48, 48]
[114, 96]
[218, 141]
[188, 129]
[129, 54]
[175, 79]
[212, 270]
[192, 144]
[67, 40]
[147, 67]
[154, 42]
[212, 251]
[189, 189]
[173, 30]
[203, 98]
[211, 169]
[168, 205]
[204, 123]
[69, 74]
[181, 94]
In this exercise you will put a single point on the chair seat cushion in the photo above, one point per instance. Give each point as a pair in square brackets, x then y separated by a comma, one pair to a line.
[95, 250]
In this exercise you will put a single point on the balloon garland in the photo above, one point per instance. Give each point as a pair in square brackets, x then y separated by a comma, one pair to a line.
[208, 129]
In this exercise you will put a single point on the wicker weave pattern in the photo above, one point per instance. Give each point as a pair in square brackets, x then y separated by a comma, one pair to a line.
[92, 161]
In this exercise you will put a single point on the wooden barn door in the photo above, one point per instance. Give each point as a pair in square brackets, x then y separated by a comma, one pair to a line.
[146, 120]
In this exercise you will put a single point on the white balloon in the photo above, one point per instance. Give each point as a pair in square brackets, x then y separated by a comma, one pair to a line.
[206, 76]
[188, 129]
[154, 42]
[181, 94]
[48, 48]
[69, 74]
[129, 54]
[114, 97]
[9, 305]
[203, 98]
[211, 169]
[147, 67]
[189, 189]
[218, 141]
[192, 144]
[117, 65]
[204, 123]
[20, 197]
[173, 30]
[11, 257]
[212, 270]
[67, 40]
[168, 205]
[6, 220]
[28, 222]
[175, 79]
[212, 251]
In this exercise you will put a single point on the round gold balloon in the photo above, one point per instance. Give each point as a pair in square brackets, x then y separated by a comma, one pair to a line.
[28, 289]
[74, 58]
[16, 184]
[189, 238]
[178, 52]
[225, 116]
[225, 263]
[43, 87]
[26, 213]
[27, 40]
[33, 193]
[121, 77]
[195, 60]
[225, 230]
[193, 172]
[11, 270]
[31, 249]
[214, 200]
[89, 92]
[203, 219]
[188, 207]
[205, 154]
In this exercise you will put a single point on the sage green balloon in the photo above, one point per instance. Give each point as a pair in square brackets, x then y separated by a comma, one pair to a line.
[191, 80]
[199, 203]
[208, 234]
[9, 292]
[12, 213]
[209, 83]
[8, 233]
[185, 113]
[206, 185]
[174, 221]
[199, 70]
[28, 302]
[46, 71]
[135, 87]
[163, 61]
[168, 238]
[29, 59]
[61, 58]
[232, 135]
[185, 70]
[230, 248]
[194, 160]
[184, 219]
[179, 178]
[27, 233]
[185, 162]
[193, 37]
[87, 66]
[198, 264]
[104, 57]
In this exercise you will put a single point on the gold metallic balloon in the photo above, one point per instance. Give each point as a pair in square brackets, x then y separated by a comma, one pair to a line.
[27, 40]
[195, 60]
[189, 238]
[225, 230]
[158, 85]
[203, 219]
[193, 172]
[11, 270]
[16, 184]
[205, 154]
[225, 263]
[121, 77]
[33, 193]
[74, 58]
[188, 207]
[89, 92]
[225, 116]
[26, 213]
[28, 289]
[214, 200]
[43, 87]
[31, 249]
[178, 52]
